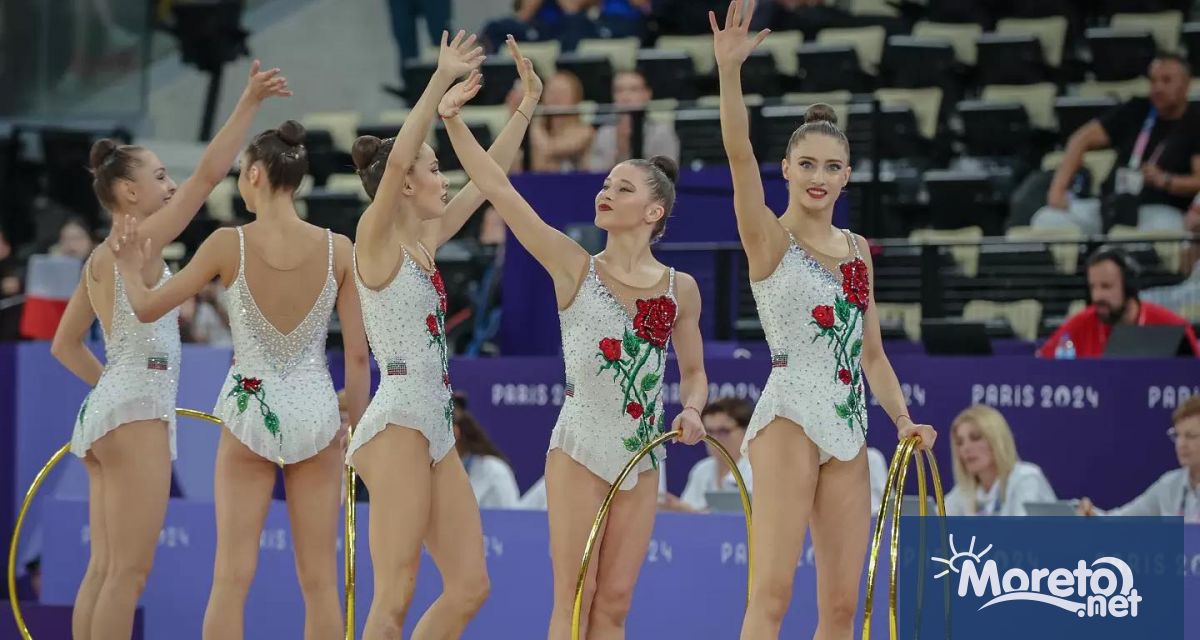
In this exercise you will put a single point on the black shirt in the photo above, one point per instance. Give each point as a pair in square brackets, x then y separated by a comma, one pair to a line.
[1175, 142]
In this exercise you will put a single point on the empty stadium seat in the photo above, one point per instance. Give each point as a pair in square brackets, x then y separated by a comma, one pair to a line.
[1119, 54]
[699, 132]
[960, 36]
[621, 52]
[829, 67]
[595, 73]
[1024, 316]
[867, 43]
[1009, 59]
[995, 128]
[1120, 89]
[966, 256]
[1038, 100]
[910, 62]
[1164, 26]
[668, 73]
[1051, 33]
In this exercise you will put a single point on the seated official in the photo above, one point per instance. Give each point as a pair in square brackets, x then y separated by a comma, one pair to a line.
[492, 479]
[1178, 297]
[989, 478]
[1112, 277]
[1177, 492]
[725, 420]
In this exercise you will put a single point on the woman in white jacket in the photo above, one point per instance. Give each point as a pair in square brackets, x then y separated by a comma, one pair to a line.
[989, 478]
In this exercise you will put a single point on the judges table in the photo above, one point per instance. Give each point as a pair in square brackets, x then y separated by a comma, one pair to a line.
[692, 583]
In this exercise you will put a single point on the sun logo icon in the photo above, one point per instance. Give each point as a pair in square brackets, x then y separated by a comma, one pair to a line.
[958, 557]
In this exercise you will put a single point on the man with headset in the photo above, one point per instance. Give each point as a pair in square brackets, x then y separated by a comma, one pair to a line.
[1112, 282]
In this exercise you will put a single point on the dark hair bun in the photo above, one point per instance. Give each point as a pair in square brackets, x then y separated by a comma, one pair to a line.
[291, 133]
[101, 150]
[363, 153]
[668, 166]
[820, 112]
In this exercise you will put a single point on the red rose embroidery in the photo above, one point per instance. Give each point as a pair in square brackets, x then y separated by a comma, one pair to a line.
[440, 287]
[251, 385]
[431, 323]
[651, 418]
[446, 379]
[844, 376]
[635, 410]
[856, 284]
[824, 316]
[611, 348]
[654, 320]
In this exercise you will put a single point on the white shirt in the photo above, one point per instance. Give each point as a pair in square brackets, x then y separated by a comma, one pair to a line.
[703, 478]
[1026, 483]
[1171, 495]
[878, 467]
[493, 482]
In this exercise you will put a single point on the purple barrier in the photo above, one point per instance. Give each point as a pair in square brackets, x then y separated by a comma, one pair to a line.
[50, 622]
[703, 213]
[692, 584]
[1078, 420]
[690, 560]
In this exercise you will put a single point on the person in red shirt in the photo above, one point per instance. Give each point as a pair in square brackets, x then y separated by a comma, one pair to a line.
[1112, 281]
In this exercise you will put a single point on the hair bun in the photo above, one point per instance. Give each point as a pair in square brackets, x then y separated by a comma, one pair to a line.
[363, 153]
[820, 112]
[668, 166]
[101, 150]
[291, 133]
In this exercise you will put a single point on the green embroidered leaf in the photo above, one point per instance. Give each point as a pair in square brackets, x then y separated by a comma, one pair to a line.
[854, 380]
[842, 411]
[649, 381]
[237, 377]
[856, 348]
[632, 444]
[243, 401]
[631, 343]
[842, 307]
[272, 422]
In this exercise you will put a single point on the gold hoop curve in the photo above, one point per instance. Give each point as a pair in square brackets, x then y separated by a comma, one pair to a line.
[893, 490]
[607, 504]
[348, 547]
[183, 413]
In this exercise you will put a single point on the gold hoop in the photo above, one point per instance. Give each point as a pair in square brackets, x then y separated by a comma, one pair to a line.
[893, 490]
[183, 413]
[348, 548]
[612, 492]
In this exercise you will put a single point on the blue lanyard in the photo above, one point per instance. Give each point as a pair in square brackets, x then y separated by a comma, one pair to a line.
[1143, 139]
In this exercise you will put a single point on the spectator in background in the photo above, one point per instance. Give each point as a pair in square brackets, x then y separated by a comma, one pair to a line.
[560, 142]
[492, 478]
[205, 319]
[989, 477]
[568, 21]
[1112, 277]
[724, 419]
[1177, 492]
[1187, 293]
[74, 239]
[613, 143]
[1157, 141]
[404, 15]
